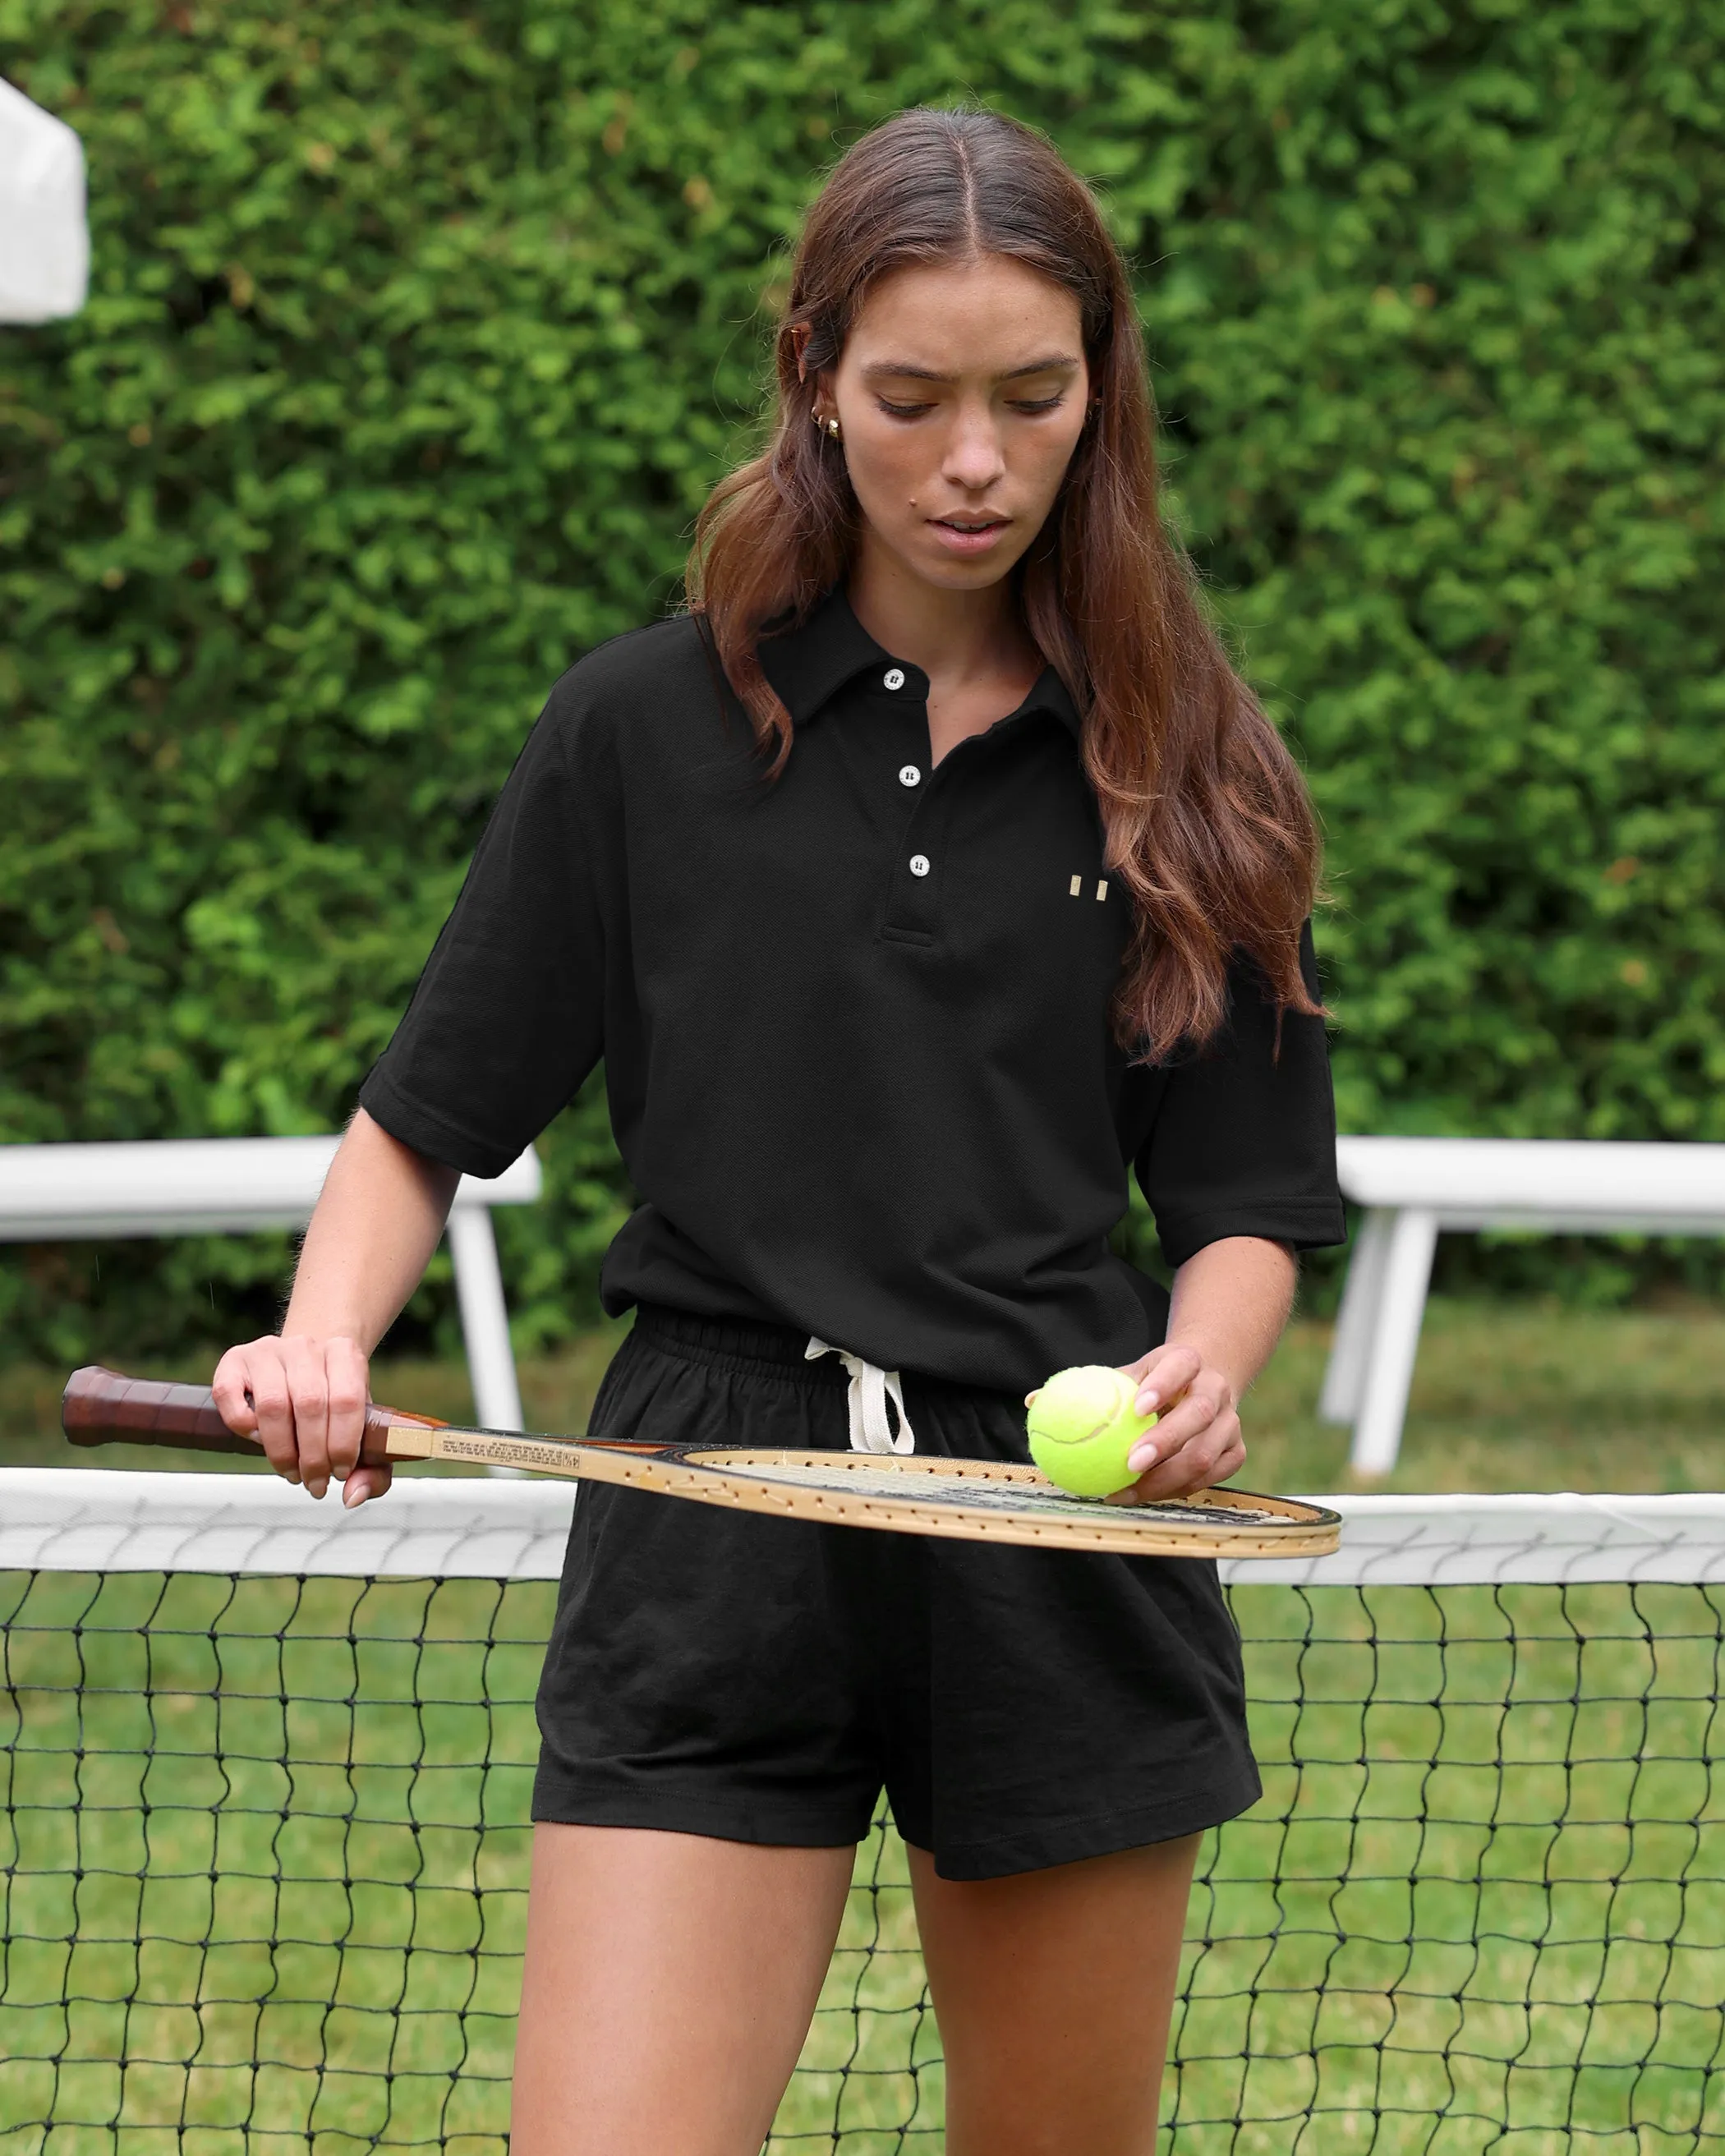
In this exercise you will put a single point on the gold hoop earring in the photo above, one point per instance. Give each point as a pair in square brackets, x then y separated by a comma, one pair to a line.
[827, 426]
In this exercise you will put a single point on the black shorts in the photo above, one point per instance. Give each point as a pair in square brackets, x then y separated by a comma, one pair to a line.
[760, 1680]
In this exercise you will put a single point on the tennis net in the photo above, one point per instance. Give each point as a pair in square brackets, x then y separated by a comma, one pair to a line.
[264, 1838]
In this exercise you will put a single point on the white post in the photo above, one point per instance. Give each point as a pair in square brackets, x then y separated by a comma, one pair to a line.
[485, 1318]
[1355, 1320]
[1390, 1366]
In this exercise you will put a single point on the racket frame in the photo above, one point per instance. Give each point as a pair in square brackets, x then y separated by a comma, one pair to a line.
[102, 1406]
[715, 1475]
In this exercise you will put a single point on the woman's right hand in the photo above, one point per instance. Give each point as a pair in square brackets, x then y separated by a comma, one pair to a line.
[304, 1399]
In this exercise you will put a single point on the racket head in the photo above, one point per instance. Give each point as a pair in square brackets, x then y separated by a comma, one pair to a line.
[970, 1500]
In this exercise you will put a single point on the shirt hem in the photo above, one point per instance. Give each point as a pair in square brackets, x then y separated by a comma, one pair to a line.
[424, 1132]
[1320, 1226]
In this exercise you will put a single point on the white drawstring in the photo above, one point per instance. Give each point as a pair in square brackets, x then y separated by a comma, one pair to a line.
[871, 1389]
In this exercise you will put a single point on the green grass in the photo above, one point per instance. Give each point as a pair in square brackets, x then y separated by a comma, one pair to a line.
[263, 1843]
[1518, 1398]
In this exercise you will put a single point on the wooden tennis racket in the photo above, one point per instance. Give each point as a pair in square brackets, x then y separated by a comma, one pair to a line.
[913, 1494]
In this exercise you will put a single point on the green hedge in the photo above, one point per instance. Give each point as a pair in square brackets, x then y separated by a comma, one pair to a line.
[418, 333]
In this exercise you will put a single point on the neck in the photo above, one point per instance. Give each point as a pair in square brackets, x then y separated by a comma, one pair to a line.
[954, 636]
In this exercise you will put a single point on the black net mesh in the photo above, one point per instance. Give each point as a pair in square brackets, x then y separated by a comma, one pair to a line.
[264, 1847]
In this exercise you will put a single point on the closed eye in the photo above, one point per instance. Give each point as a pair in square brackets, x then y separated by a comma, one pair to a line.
[1027, 408]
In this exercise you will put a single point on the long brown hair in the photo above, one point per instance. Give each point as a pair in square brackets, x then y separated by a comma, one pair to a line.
[1207, 819]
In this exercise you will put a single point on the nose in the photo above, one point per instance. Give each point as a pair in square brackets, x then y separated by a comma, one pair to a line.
[974, 458]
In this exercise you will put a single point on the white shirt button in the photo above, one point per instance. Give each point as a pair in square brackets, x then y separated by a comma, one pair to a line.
[908, 775]
[894, 677]
[919, 865]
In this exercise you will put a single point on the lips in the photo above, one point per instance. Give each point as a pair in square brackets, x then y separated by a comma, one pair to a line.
[962, 539]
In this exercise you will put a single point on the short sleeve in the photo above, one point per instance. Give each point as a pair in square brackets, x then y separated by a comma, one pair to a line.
[1243, 1137]
[508, 1017]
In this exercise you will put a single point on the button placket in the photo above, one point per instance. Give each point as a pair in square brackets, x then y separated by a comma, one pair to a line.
[911, 878]
[913, 910]
[910, 907]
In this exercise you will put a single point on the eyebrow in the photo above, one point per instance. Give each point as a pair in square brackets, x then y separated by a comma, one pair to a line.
[904, 369]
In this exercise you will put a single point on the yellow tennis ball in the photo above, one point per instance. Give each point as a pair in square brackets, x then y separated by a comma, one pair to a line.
[1082, 1424]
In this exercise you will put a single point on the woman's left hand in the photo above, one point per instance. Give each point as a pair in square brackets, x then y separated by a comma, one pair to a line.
[1197, 1442]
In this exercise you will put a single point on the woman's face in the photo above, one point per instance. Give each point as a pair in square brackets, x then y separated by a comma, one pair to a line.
[960, 395]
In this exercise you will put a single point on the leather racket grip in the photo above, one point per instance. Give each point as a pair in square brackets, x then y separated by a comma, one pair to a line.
[102, 1406]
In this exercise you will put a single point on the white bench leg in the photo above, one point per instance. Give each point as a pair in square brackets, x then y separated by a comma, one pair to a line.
[1389, 1363]
[485, 1318]
[1355, 1320]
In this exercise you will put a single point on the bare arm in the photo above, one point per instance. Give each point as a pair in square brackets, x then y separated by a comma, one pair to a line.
[304, 1392]
[1230, 1301]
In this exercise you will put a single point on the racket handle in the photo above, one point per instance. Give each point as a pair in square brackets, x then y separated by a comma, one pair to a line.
[101, 1407]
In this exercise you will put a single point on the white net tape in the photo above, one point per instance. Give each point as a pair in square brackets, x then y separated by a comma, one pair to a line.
[457, 1528]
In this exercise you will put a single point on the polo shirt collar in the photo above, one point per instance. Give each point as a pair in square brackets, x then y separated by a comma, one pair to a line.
[808, 665]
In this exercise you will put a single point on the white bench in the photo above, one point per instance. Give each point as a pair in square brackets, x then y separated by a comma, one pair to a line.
[51, 1193]
[1413, 1188]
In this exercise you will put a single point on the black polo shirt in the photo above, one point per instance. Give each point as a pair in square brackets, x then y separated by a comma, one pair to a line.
[854, 1020]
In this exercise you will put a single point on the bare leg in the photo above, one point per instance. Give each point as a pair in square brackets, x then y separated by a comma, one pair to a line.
[1053, 1991]
[668, 1983]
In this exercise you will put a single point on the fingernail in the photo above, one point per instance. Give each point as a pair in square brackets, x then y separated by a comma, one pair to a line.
[1147, 1403]
[1140, 1457]
[351, 1494]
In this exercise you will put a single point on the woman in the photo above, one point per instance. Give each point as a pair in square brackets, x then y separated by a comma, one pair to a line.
[933, 871]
